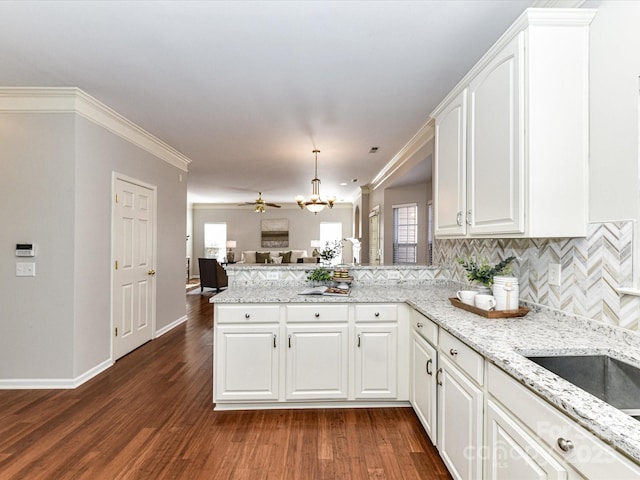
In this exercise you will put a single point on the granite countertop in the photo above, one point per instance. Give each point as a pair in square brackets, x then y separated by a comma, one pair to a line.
[504, 342]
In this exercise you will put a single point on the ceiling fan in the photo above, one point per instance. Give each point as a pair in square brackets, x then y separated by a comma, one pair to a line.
[259, 204]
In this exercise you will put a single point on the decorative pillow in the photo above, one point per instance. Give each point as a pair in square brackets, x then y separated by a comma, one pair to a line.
[286, 257]
[277, 259]
[263, 257]
[249, 257]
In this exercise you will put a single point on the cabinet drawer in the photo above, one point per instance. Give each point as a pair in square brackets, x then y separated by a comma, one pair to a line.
[376, 313]
[470, 361]
[317, 313]
[247, 314]
[424, 327]
[590, 456]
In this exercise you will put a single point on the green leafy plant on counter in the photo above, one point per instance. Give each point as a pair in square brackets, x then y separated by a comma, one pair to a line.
[483, 272]
[320, 274]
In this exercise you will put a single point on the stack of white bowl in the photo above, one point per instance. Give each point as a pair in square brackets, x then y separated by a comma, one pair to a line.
[506, 291]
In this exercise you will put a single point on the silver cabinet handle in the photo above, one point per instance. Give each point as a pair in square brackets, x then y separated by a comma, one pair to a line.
[565, 445]
[438, 381]
[459, 219]
[429, 362]
[358, 340]
[274, 341]
[419, 324]
[377, 314]
[468, 219]
[317, 314]
[246, 315]
[453, 352]
[289, 341]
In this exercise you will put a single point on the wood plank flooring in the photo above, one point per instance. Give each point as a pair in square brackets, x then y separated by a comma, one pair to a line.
[151, 416]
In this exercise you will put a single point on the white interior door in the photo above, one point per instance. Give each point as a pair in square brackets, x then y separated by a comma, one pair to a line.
[133, 263]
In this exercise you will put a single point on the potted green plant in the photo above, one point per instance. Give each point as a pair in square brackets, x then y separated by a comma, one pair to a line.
[482, 272]
[319, 275]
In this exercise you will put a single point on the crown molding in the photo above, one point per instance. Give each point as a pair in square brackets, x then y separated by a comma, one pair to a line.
[75, 100]
[558, 3]
[419, 140]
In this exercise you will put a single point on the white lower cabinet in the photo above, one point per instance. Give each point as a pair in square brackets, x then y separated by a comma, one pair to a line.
[246, 362]
[423, 383]
[460, 418]
[512, 453]
[376, 361]
[317, 362]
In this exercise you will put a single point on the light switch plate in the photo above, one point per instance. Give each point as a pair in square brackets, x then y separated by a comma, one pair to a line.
[393, 275]
[272, 275]
[25, 269]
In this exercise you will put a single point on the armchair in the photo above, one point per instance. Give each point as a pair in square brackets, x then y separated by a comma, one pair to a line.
[212, 274]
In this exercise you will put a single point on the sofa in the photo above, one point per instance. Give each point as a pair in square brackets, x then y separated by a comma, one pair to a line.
[280, 256]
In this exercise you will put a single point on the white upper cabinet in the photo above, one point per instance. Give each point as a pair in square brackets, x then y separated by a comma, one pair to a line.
[451, 171]
[511, 139]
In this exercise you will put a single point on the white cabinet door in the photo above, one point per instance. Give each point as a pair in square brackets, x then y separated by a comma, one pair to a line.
[495, 168]
[423, 384]
[450, 168]
[246, 362]
[317, 362]
[459, 422]
[376, 361]
[513, 453]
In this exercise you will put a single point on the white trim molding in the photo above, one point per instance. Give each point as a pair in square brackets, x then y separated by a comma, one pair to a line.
[54, 383]
[169, 327]
[75, 100]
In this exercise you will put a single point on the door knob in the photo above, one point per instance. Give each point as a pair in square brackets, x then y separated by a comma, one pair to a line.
[151, 272]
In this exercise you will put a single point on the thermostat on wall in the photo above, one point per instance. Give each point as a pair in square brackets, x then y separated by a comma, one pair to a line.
[25, 250]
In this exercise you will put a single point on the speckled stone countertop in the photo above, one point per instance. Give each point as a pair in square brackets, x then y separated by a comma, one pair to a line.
[504, 342]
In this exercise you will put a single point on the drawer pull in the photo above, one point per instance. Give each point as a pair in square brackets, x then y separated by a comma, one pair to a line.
[246, 315]
[565, 445]
[274, 340]
[317, 314]
[438, 372]
[377, 314]
[358, 340]
[419, 325]
[289, 341]
[429, 362]
[453, 352]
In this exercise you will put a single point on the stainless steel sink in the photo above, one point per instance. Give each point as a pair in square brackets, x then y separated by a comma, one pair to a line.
[615, 382]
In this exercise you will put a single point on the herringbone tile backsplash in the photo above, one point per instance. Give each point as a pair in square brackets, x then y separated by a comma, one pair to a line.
[592, 269]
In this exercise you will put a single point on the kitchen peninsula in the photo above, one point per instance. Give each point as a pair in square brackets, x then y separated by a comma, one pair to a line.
[397, 340]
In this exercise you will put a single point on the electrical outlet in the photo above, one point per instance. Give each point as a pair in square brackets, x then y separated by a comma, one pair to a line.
[555, 274]
[393, 275]
[272, 276]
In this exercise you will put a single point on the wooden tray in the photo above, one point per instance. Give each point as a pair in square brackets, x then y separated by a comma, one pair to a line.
[520, 312]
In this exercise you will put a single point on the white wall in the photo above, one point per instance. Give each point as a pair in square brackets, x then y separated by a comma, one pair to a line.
[614, 103]
[55, 190]
[243, 226]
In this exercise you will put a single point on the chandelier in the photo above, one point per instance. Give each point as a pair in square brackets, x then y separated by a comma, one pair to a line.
[315, 204]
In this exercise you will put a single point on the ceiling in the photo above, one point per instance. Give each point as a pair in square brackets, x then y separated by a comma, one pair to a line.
[247, 90]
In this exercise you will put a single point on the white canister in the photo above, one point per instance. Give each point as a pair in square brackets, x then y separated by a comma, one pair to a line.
[506, 291]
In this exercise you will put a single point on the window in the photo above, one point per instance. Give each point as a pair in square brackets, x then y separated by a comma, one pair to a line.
[329, 233]
[215, 240]
[405, 234]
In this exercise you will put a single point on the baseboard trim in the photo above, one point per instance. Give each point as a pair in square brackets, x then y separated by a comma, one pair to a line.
[171, 326]
[54, 383]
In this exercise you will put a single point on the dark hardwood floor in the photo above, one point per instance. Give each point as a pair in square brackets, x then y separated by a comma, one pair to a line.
[151, 416]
